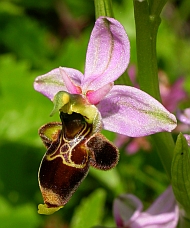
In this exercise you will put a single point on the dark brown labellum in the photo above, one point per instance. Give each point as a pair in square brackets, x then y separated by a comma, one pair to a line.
[66, 162]
[72, 148]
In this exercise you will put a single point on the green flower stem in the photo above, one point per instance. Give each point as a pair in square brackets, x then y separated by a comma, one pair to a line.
[147, 21]
[165, 146]
[103, 8]
[146, 32]
[156, 6]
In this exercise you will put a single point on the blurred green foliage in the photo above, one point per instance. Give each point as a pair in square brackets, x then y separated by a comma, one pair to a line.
[35, 37]
[90, 211]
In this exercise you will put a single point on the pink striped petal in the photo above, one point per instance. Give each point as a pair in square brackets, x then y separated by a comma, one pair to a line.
[108, 54]
[162, 220]
[132, 112]
[69, 84]
[163, 213]
[51, 83]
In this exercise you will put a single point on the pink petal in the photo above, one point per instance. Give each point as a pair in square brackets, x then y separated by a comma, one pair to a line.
[51, 83]
[70, 85]
[107, 55]
[94, 97]
[165, 220]
[163, 213]
[160, 205]
[130, 111]
[126, 209]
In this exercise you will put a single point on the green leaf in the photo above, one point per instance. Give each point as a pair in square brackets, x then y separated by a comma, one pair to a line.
[180, 172]
[90, 211]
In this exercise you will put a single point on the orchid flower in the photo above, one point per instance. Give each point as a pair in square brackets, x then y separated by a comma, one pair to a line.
[86, 104]
[163, 213]
[124, 109]
[173, 94]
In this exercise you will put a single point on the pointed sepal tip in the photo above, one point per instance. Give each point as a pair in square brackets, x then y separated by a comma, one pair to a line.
[43, 209]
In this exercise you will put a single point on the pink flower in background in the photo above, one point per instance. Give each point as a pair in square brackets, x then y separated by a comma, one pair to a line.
[173, 94]
[132, 145]
[123, 109]
[163, 213]
[184, 116]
